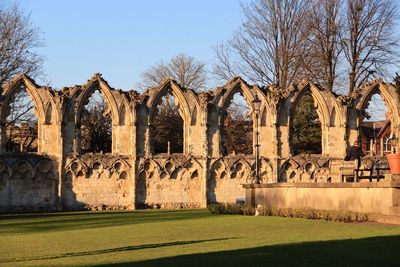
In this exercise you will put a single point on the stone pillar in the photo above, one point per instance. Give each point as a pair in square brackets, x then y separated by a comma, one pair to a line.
[147, 146]
[205, 152]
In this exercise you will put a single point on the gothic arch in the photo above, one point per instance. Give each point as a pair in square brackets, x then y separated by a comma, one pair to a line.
[50, 113]
[76, 166]
[98, 164]
[223, 98]
[240, 169]
[190, 161]
[120, 164]
[337, 107]
[319, 100]
[242, 161]
[225, 94]
[149, 164]
[125, 110]
[288, 170]
[264, 116]
[388, 93]
[23, 166]
[333, 121]
[13, 86]
[176, 91]
[321, 109]
[193, 119]
[88, 89]
[123, 117]
[192, 168]
[266, 171]
[219, 169]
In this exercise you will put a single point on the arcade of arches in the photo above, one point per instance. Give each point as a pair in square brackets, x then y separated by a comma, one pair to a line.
[61, 177]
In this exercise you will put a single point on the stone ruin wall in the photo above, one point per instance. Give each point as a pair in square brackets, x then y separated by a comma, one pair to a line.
[59, 177]
[28, 183]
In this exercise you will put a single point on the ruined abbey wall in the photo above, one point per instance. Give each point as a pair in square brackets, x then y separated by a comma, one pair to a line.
[60, 177]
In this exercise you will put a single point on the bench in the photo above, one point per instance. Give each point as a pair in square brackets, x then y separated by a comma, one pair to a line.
[359, 173]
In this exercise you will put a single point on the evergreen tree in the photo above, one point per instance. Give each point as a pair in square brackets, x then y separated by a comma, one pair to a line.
[306, 131]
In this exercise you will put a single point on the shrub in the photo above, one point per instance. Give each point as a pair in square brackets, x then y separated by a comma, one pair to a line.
[231, 208]
[235, 209]
[308, 213]
[216, 208]
[305, 213]
[248, 210]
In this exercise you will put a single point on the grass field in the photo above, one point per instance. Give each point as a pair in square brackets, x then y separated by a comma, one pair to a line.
[191, 238]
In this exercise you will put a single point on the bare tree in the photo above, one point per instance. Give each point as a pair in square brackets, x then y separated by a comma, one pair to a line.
[167, 127]
[396, 80]
[237, 127]
[21, 124]
[18, 42]
[167, 124]
[368, 39]
[267, 46]
[186, 70]
[96, 125]
[323, 26]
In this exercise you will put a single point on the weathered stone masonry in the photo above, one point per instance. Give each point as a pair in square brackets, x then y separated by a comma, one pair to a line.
[60, 177]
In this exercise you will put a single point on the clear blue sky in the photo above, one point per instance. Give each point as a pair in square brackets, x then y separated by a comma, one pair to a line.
[122, 38]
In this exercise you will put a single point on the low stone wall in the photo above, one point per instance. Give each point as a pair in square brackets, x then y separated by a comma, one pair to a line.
[169, 183]
[381, 198]
[27, 183]
[97, 182]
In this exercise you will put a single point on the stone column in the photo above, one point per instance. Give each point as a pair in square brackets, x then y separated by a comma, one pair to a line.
[204, 98]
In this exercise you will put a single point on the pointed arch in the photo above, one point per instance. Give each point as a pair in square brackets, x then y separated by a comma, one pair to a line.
[288, 170]
[218, 167]
[173, 139]
[13, 87]
[266, 171]
[322, 110]
[98, 164]
[96, 83]
[49, 114]
[123, 115]
[289, 162]
[149, 165]
[177, 92]
[319, 100]
[225, 95]
[128, 109]
[192, 168]
[77, 165]
[120, 165]
[242, 161]
[388, 93]
[263, 117]
[22, 166]
[228, 124]
[333, 118]
[193, 120]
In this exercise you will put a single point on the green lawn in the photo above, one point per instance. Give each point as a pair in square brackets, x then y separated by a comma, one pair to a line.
[191, 238]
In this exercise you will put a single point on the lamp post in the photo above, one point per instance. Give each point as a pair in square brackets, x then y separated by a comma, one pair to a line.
[256, 109]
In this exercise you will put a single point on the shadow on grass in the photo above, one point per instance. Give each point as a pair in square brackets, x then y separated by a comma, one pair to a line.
[375, 251]
[112, 250]
[35, 223]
